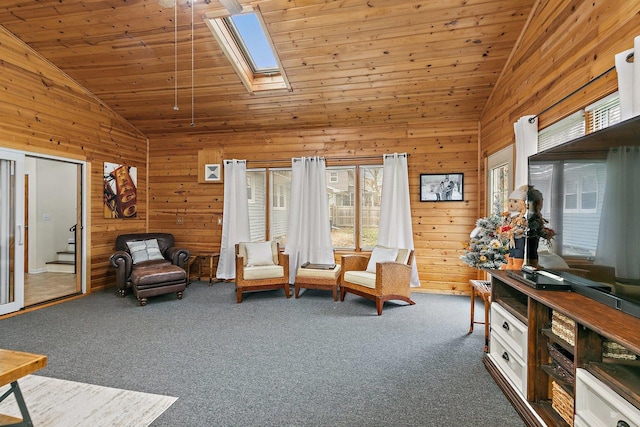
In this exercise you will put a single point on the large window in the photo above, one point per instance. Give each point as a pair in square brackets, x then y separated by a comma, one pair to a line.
[354, 204]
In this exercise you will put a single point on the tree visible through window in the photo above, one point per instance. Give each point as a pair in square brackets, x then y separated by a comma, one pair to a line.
[371, 197]
[349, 206]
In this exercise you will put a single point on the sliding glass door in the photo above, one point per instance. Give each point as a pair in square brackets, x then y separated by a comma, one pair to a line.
[11, 231]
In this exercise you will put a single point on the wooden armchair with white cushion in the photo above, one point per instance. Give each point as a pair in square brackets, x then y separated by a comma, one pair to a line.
[260, 266]
[383, 276]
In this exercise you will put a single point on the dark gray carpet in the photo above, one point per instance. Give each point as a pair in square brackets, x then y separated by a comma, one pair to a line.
[270, 361]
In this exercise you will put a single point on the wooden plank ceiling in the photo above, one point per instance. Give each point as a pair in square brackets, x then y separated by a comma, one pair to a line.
[349, 62]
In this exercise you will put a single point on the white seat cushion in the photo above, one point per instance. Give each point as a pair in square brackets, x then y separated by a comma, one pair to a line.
[363, 278]
[316, 273]
[263, 272]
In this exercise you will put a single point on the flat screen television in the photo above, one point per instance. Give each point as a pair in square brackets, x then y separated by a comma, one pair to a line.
[591, 190]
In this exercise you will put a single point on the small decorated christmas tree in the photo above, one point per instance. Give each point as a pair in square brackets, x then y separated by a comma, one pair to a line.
[486, 249]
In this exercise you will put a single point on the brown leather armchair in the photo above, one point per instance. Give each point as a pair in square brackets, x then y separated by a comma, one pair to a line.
[150, 264]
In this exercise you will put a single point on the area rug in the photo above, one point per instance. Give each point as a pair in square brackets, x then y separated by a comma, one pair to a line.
[60, 403]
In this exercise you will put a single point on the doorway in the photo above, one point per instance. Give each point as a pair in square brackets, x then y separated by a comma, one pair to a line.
[53, 221]
[42, 217]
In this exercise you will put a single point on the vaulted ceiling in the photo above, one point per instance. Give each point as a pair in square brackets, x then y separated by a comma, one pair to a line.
[349, 62]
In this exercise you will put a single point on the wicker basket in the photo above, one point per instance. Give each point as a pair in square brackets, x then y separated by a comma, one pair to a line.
[563, 327]
[562, 364]
[562, 402]
[616, 351]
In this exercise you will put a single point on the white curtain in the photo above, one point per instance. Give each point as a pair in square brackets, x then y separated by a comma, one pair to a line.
[629, 81]
[309, 229]
[396, 230]
[619, 226]
[526, 129]
[235, 218]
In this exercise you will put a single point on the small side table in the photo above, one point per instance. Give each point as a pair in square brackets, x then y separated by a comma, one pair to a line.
[482, 288]
[198, 259]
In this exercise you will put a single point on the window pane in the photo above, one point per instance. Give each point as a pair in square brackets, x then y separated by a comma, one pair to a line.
[341, 193]
[254, 42]
[581, 222]
[604, 113]
[280, 200]
[370, 198]
[588, 200]
[589, 192]
[499, 188]
[569, 128]
[257, 190]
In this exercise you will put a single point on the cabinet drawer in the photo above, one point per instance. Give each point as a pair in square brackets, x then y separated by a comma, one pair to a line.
[597, 405]
[511, 364]
[512, 331]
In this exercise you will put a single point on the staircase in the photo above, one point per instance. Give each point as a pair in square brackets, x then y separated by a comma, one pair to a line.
[65, 261]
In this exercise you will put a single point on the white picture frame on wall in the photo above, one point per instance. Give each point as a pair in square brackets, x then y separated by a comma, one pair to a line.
[213, 172]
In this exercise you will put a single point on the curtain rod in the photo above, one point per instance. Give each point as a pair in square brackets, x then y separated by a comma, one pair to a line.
[532, 119]
[332, 159]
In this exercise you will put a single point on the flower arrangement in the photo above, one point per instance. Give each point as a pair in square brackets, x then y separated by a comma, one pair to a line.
[486, 248]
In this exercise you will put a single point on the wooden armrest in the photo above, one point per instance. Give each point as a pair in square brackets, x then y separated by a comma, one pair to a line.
[354, 262]
[393, 277]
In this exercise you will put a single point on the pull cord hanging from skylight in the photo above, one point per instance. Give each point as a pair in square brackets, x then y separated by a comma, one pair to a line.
[193, 123]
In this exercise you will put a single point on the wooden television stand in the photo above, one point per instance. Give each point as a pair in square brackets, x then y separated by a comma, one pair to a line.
[540, 370]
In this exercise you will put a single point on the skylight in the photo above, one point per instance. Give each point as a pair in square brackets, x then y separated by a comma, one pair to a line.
[246, 43]
[253, 41]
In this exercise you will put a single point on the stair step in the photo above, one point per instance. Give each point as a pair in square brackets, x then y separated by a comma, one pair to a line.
[66, 256]
[61, 266]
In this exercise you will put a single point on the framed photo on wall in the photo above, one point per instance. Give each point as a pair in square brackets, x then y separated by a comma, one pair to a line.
[445, 187]
[120, 194]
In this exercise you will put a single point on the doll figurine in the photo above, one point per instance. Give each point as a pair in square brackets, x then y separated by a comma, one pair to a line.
[524, 223]
[514, 227]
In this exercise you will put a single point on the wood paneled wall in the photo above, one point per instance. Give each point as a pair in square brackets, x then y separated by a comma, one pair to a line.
[43, 111]
[566, 44]
[180, 205]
